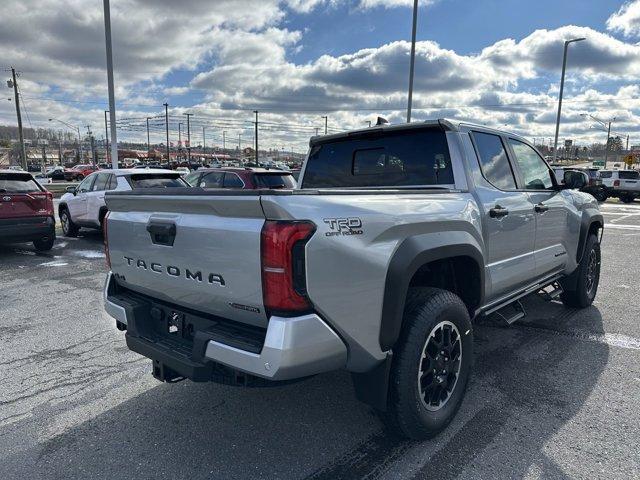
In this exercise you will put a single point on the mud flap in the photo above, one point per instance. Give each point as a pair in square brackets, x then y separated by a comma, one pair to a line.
[372, 387]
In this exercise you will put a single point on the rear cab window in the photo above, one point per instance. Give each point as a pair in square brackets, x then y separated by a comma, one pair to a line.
[156, 180]
[274, 180]
[18, 183]
[404, 158]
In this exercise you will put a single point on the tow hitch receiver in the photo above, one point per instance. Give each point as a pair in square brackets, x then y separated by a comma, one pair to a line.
[165, 374]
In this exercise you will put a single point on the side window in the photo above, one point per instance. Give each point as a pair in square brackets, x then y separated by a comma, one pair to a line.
[605, 174]
[231, 180]
[535, 172]
[101, 182]
[113, 182]
[86, 184]
[211, 180]
[192, 178]
[493, 161]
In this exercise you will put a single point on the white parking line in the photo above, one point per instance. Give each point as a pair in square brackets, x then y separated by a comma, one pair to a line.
[617, 226]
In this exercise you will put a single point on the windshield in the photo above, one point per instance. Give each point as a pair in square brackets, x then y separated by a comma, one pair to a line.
[156, 180]
[270, 180]
[12, 183]
[389, 159]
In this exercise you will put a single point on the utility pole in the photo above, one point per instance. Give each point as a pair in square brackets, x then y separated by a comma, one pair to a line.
[317, 129]
[148, 142]
[326, 120]
[166, 124]
[112, 98]
[106, 137]
[204, 141]
[413, 58]
[14, 84]
[188, 136]
[224, 145]
[564, 68]
[239, 141]
[256, 135]
[180, 135]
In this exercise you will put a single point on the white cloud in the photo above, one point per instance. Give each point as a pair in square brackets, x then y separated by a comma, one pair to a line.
[626, 20]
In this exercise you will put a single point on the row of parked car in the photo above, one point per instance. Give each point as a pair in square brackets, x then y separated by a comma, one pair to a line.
[604, 184]
[27, 209]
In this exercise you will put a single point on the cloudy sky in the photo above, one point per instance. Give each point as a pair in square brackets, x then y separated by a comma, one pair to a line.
[495, 62]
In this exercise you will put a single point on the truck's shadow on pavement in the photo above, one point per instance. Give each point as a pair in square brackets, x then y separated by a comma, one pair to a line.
[530, 380]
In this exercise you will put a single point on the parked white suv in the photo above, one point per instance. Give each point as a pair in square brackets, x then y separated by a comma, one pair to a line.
[623, 184]
[84, 206]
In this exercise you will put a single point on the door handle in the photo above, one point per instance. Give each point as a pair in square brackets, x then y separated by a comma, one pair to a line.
[498, 212]
[541, 208]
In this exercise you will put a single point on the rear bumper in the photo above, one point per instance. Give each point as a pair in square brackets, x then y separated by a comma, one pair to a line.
[292, 348]
[27, 229]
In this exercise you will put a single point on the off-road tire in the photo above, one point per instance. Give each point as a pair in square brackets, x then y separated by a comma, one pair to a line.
[588, 277]
[407, 413]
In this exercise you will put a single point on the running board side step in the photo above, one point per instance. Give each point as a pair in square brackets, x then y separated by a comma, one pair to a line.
[512, 312]
[551, 291]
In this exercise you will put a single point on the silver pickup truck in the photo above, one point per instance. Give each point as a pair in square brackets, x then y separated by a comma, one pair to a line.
[395, 240]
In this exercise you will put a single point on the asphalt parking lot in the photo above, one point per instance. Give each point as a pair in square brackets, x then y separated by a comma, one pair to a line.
[556, 395]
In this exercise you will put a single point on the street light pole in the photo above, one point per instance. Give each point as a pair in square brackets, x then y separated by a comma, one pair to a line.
[204, 141]
[188, 136]
[166, 125]
[148, 141]
[413, 58]
[326, 120]
[106, 137]
[112, 99]
[256, 135]
[564, 68]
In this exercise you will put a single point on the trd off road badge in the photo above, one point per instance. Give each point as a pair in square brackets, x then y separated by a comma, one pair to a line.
[343, 226]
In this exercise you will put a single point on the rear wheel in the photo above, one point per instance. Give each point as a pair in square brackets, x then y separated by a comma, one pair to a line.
[431, 364]
[588, 277]
[69, 229]
[627, 198]
[601, 196]
[44, 244]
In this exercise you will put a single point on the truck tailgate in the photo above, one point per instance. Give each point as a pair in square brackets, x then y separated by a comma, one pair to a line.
[197, 251]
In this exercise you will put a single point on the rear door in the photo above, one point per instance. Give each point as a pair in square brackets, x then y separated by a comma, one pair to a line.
[508, 217]
[21, 196]
[211, 180]
[95, 198]
[549, 206]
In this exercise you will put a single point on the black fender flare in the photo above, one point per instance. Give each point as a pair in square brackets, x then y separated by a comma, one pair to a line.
[589, 217]
[410, 255]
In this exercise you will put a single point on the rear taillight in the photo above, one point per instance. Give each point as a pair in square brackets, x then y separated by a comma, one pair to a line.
[105, 235]
[284, 289]
[616, 183]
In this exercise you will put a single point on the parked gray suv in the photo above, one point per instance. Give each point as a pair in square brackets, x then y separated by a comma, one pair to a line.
[397, 238]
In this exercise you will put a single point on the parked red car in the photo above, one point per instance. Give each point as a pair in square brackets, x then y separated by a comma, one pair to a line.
[243, 178]
[26, 211]
[79, 172]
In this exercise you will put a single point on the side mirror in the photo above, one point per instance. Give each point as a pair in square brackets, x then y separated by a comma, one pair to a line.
[71, 189]
[575, 179]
